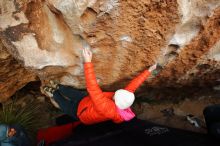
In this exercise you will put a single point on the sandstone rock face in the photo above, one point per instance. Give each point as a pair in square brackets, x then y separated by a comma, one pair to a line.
[13, 75]
[126, 37]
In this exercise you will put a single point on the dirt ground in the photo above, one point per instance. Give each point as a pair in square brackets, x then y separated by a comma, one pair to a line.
[166, 111]
[175, 114]
[171, 106]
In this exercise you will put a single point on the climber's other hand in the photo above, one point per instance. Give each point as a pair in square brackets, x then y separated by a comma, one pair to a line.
[153, 67]
[87, 55]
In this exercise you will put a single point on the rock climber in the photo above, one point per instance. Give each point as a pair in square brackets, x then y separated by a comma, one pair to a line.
[98, 106]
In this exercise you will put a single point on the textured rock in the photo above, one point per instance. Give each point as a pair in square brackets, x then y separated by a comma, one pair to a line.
[126, 37]
[13, 76]
[198, 62]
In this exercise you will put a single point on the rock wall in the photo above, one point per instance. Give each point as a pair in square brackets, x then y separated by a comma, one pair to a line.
[125, 36]
[13, 76]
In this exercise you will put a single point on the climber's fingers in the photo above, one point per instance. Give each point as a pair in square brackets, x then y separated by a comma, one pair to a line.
[87, 55]
[153, 67]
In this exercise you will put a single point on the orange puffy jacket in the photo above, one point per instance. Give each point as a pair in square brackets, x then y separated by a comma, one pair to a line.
[99, 106]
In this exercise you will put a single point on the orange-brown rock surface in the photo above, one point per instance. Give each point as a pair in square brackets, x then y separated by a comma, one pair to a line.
[45, 37]
[13, 75]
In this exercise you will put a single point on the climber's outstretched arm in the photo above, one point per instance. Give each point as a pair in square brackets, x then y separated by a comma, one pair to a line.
[136, 82]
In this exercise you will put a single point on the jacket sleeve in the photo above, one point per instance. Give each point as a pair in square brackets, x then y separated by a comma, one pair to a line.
[136, 82]
[102, 104]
